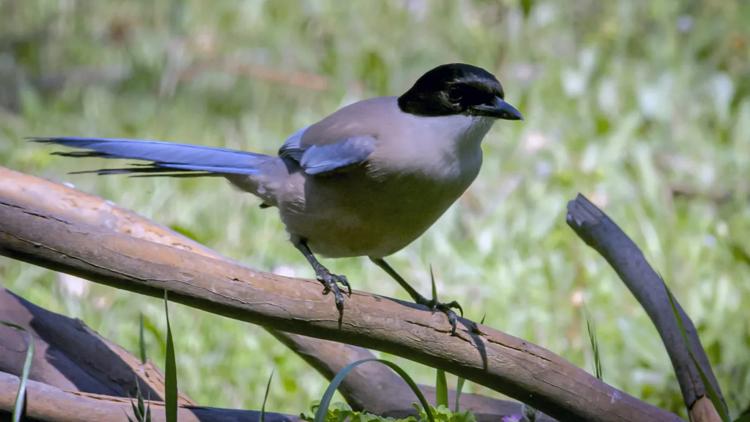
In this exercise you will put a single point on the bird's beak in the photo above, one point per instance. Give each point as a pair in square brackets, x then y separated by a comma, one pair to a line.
[499, 109]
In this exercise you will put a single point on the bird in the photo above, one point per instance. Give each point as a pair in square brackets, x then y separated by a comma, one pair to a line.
[366, 180]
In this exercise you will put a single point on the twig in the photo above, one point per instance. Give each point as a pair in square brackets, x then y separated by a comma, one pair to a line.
[602, 234]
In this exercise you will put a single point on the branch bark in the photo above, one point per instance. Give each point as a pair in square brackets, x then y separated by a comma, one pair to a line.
[48, 403]
[604, 236]
[494, 359]
[374, 388]
[71, 356]
[74, 358]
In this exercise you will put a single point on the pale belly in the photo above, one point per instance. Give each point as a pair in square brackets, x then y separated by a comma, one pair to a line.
[354, 215]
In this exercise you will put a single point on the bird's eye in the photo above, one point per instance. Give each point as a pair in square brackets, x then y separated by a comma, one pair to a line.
[455, 94]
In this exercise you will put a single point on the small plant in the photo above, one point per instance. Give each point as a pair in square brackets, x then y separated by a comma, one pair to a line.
[339, 412]
[141, 410]
[591, 329]
[327, 412]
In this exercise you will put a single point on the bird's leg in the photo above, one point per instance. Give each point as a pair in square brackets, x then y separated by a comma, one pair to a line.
[329, 280]
[446, 308]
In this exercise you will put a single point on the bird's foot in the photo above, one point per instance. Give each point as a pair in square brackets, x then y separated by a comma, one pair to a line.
[331, 283]
[446, 308]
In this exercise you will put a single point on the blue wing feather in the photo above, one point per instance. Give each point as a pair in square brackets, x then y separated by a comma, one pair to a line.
[325, 158]
[319, 159]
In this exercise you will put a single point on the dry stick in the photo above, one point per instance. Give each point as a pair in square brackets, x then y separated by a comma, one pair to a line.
[374, 388]
[499, 361]
[49, 403]
[602, 234]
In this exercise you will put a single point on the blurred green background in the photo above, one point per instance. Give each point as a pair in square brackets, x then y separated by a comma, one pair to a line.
[644, 106]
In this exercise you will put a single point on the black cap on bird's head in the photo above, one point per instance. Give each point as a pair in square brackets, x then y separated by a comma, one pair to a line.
[458, 88]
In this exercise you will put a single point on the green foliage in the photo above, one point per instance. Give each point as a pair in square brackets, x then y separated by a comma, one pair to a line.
[340, 412]
[642, 106]
[141, 408]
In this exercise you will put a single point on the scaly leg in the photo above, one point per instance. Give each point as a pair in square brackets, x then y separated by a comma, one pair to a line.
[433, 304]
[329, 280]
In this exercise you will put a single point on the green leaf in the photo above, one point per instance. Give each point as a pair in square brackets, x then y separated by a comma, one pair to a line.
[21, 394]
[170, 372]
[141, 341]
[325, 401]
[713, 395]
[459, 387]
[441, 389]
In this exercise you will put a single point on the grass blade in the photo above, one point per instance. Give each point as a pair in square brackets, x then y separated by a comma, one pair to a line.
[441, 389]
[141, 341]
[170, 372]
[434, 287]
[459, 387]
[141, 410]
[713, 395]
[594, 344]
[21, 394]
[325, 401]
[265, 399]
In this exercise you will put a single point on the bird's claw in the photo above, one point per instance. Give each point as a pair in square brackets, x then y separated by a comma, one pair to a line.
[443, 307]
[447, 309]
[331, 284]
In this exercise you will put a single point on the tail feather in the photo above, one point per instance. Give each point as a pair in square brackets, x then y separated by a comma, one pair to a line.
[165, 157]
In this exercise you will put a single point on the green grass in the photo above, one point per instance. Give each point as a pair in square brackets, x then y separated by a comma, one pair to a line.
[624, 101]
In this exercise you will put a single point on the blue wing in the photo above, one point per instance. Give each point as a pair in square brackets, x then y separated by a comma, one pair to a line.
[319, 159]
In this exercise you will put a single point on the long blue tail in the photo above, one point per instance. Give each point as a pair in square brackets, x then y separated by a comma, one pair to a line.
[167, 158]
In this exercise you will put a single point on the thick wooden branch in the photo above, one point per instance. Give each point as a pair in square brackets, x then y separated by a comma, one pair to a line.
[74, 358]
[49, 403]
[603, 235]
[71, 356]
[494, 359]
[374, 388]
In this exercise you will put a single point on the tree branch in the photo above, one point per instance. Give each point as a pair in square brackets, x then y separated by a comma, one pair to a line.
[494, 359]
[604, 236]
[375, 388]
[72, 357]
